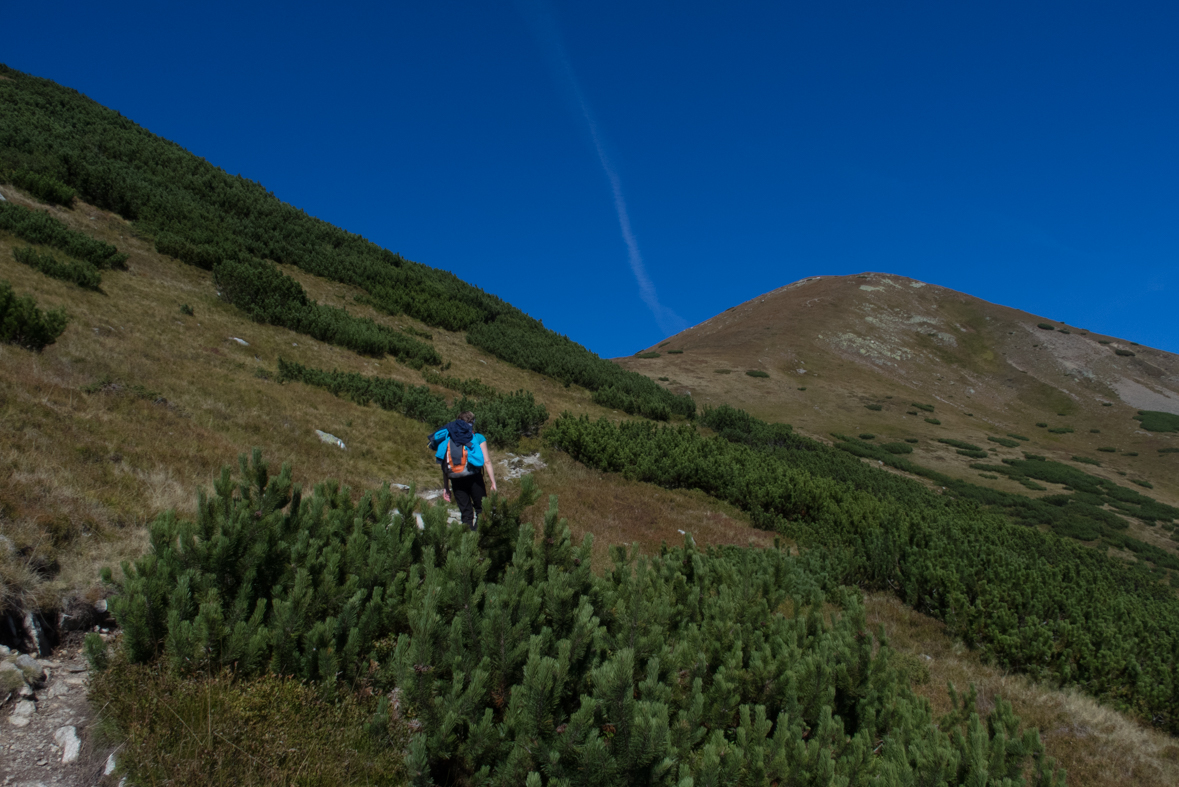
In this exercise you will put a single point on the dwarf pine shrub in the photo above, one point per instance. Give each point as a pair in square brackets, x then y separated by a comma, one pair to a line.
[867, 436]
[876, 407]
[917, 535]
[1086, 460]
[897, 448]
[23, 324]
[77, 272]
[1108, 449]
[1041, 424]
[1124, 353]
[37, 226]
[675, 352]
[1155, 421]
[506, 654]
[647, 355]
[933, 421]
[756, 373]
[1003, 441]
[42, 186]
[926, 407]
[958, 444]
[1061, 430]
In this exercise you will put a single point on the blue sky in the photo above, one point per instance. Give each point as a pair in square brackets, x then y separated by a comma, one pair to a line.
[622, 170]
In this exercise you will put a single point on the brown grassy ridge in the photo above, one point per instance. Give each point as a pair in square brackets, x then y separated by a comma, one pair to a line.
[879, 339]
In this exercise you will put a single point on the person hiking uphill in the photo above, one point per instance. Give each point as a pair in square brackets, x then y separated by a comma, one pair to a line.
[463, 454]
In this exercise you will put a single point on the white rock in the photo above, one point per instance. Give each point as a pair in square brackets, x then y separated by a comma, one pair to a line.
[330, 439]
[109, 768]
[71, 746]
[399, 486]
[242, 342]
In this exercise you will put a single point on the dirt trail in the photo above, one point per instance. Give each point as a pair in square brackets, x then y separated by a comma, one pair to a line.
[31, 752]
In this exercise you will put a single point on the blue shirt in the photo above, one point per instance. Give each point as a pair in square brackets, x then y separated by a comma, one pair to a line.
[474, 455]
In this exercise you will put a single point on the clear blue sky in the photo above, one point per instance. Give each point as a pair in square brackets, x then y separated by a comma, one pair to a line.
[1023, 152]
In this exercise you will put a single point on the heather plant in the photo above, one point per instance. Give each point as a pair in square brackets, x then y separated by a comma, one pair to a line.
[76, 272]
[23, 324]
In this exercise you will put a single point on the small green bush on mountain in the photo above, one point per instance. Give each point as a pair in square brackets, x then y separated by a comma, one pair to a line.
[23, 324]
[83, 274]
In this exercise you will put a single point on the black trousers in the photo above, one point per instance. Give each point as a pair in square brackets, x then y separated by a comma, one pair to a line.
[468, 494]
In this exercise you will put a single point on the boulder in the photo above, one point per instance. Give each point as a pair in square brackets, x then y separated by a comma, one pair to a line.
[34, 673]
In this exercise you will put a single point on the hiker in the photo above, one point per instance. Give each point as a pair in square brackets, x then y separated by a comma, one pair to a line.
[463, 453]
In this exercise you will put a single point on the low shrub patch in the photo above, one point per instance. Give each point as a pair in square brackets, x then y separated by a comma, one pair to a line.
[23, 324]
[37, 226]
[1041, 424]
[756, 373]
[1170, 450]
[44, 187]
[911, 412]
[876, 407]
[1124, 353]
[1142, 482]
[867, 436]
[1061, 430]
[926, 407]
[910, 439]
[988, 476]
[1107, 404]
[958, 444]
[933, 421]
[675, 352]
[1108, 449]
[1018, 436]
[1086, 460]
[664, 379]
[1046, 326]
[1155, 421]
[980, 454]
[83, 274]
[647, 355]
[1003, 441]
[897, 448]
[187, 310]
[803, 388]
[1130, 453]
[1094, 431]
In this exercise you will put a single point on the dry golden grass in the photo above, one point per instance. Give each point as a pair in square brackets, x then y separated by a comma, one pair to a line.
[618, 511]
[1096, 745]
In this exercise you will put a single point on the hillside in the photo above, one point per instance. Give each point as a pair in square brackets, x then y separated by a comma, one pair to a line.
[444, 650]
[889, 356]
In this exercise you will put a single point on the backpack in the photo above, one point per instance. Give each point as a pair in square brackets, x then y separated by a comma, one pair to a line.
[455, 465]
[437, 438]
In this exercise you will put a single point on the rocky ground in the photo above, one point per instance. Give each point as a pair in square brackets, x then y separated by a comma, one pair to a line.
[45, 721]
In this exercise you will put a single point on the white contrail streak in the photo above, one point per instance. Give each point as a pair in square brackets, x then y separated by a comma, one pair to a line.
[544, 27]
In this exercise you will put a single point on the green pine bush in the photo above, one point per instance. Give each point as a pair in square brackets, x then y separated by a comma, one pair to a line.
[897, 448]
[926, 407]
[959, 444]
[756, 373]
[647, 355]
[1003, 441]
[1045, 326]
[933, 421]
[1086, 460]
[1155, 421]
[1124, 353]
[42, 186]
[76, 272]
[37, 226]
[23, 324]
[504, 654]
[876, 407]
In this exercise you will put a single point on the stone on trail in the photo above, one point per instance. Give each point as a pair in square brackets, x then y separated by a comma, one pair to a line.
[21, 713]
[71, 746]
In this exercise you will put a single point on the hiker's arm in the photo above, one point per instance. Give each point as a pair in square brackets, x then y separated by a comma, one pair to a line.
[487, 463]
[445, 486]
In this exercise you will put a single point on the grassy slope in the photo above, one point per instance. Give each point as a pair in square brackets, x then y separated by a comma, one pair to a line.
[83, 472]
[988, 370]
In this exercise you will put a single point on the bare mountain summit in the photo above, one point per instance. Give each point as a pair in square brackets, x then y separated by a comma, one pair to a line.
[902, 359]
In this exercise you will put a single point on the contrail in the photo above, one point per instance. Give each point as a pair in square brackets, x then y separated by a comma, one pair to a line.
[544, 27]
